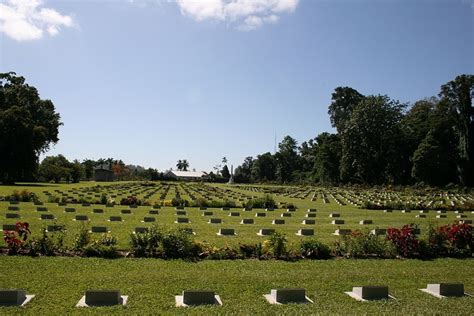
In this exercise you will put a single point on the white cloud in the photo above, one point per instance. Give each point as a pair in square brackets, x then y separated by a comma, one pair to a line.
[26, 20]
[246, 14]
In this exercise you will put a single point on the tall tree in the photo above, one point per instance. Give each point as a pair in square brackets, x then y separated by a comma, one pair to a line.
[344, 102]
[243, 173]
[185, 165]
[264, 167]
[55, 168]
[328, 156]
[458, 94]
[286, 159]
[88, 166]
[371, 140]
[28, 126]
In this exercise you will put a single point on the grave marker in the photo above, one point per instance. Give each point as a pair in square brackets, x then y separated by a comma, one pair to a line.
[102, 298]
[442, 290]
[369, 293]
[14, 297]
[285, 296]
[197, 297]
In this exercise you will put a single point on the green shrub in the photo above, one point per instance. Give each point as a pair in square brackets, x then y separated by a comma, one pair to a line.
[264, 202]
[177, 244]
[82, 239]
[314, 249]
[50, 243]
[362, 244]
[253, 251]
[276, 245]
[105, 247]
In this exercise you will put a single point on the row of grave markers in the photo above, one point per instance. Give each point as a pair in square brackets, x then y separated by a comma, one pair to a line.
[92, 298]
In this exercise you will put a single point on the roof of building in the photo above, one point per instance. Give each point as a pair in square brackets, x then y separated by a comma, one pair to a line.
[188, 174]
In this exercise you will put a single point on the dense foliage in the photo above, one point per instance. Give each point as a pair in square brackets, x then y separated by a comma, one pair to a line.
[28, 126]
[380, 141]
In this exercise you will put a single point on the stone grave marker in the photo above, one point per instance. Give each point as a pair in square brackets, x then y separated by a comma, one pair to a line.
[12, 215]
[141, 230]
[247, 221]
[378, 231]
[285, 296]
[197, 297]
[47, 216]
[102, 298]
[180, 213]
[308, 222]
[41, 209]
[215, 221]
[266, 232]
[13, 208]
[369, 293]
[69, 210]
[258, 214]
[148, 219]
[125, 211]
[9, 297]
[305, 232]
[226, 232]
[81, 218]
[97, 211]
[310, 215]
[442, 290]
[338, 222]
[286, 215]
[181, 220]
[153, 212]
[366, 222]
[99, 229]
[54, 228]
[10, 227]
[340, 232]
[334, 215]
[115, 219]
[278, 222]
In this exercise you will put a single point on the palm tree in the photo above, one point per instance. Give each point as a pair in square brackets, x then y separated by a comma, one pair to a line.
[179, 165]
[185, 165]
[224, 160]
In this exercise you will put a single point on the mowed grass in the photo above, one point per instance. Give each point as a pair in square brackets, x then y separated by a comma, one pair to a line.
[246, 233]
[152, 284]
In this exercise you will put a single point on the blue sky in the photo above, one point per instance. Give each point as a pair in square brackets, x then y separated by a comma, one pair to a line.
[152, 82]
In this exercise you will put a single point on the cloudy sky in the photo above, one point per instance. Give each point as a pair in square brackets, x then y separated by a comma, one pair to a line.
[152, 81]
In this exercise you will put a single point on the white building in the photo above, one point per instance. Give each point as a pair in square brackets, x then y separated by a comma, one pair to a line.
[187, 175]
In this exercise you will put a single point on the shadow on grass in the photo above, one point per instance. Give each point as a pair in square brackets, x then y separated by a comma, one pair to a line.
[30, 185]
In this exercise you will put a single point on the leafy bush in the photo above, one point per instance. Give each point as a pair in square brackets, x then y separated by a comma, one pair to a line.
[22, 196]
[264, 202]
[177, 244]
[131, 200]
[105, 247]
[276, 245]
[314, 249]
[146, 244]
[451, 240]
[363, 245]
[16, 239]
[250, 250]
[221, 253]
[49, 244]
[178, 201]
[82, 239]
[405, 240]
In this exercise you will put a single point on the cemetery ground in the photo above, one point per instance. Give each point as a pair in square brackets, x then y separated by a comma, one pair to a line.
[59, 282]
[325, 201]
[151, 284]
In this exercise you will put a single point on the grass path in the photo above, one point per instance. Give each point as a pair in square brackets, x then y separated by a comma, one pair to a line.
[151, 284]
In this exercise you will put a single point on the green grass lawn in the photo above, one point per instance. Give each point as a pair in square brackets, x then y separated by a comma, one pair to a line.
[151, 284]
[207, 232]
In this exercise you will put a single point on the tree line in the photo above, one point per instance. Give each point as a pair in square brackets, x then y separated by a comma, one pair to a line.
[380, 141]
